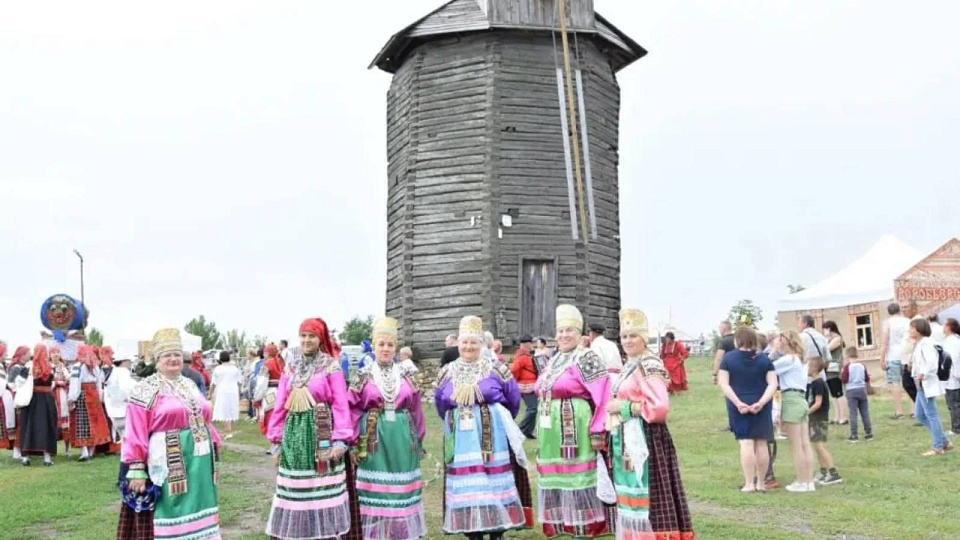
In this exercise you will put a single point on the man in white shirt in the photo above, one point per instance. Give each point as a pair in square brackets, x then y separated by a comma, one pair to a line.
[285, 352]
[951, 346]
[906, 351]
[605, 349]
[814, 343]
[936, 329]
[891, 354]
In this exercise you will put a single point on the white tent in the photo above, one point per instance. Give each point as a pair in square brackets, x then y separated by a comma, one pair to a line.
[867, 279]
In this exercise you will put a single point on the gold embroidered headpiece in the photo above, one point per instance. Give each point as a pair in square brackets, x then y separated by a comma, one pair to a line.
[166, 340]
[635, 321]
[471, 327]
[569, 317]
[385, 327]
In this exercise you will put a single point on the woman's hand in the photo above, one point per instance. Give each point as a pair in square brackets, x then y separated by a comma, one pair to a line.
[598, 444]
[276, 459]
[337, 452]
[613, 407]
[743, 408]
[354, 458]
[138, 486]
[756, 408]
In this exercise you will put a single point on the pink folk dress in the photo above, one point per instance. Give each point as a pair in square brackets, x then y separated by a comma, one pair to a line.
[310, 418]
[573, 392]
[387, 415]
[170, 441]
[651, 504]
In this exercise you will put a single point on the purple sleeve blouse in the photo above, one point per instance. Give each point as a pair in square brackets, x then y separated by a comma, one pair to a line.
[493, 388]
[369, 397]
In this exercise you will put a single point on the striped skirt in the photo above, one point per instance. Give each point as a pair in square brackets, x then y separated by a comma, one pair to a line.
[481, 494]
[187, 509]
[311, 500]
[389, 482]
[567, 464]
[88, 420]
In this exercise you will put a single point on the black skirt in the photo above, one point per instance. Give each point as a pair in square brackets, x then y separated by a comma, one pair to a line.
[669, 512]
[38, 421]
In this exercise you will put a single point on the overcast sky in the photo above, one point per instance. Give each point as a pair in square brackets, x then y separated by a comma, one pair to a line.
[228, 157]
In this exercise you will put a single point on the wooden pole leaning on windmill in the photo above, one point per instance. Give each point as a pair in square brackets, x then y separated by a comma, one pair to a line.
[574, 132]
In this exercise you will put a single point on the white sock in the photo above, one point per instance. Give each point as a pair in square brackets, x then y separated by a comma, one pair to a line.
[46, 457]
[16, 452]
[85, 452]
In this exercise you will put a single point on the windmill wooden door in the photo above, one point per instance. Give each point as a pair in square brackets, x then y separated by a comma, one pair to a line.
[538, 296]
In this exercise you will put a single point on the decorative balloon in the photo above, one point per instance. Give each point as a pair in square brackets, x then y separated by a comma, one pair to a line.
[62, 314]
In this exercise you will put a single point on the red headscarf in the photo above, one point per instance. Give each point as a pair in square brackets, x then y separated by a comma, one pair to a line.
[87, 356]
[196, 363]
[21, 352]
[41, 365]
[271, 350]
[96, 353]
[318, 327]
[106, 355]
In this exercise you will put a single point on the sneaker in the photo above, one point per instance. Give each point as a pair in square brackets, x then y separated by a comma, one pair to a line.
[831, 479]
[951, 434]
[798, 487]
[934, 452]
[771, 484]
[897, 417]
[852, 439]
[948, 446]
[869, 437]
[819, 477]
[811, 487]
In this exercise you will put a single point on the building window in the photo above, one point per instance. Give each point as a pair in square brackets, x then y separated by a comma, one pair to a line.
[864, 331]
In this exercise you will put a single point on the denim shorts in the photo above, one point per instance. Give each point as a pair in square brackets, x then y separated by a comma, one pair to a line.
[894, 372]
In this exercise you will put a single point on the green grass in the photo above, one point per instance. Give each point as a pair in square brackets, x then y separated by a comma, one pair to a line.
[889, 491]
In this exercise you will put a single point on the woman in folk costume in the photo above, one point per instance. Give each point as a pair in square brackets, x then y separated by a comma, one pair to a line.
[61, 389]
[674, 353]
[17, 373]
[107, 367]
[573, 391]
[196, 364]
[38, 420]
[89, 427]
[170, 454]
[272, 370]
[486, 486]
[311, 423]
[651, 503]
[387, 414]
[8, 415]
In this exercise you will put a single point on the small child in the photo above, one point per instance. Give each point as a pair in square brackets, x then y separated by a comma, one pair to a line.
[818, 399]
[856, 378]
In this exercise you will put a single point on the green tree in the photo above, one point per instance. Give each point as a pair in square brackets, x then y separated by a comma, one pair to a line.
[259, 341]
[236, 340]
[745, 312]
[209, 335]
[94, 337]
[356, 330]
[794, 289]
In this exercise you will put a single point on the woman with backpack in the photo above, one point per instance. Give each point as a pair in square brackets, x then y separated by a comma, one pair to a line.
[925, 361]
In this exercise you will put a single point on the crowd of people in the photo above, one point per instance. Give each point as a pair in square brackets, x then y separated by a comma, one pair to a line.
[787, 380]
[348, 449]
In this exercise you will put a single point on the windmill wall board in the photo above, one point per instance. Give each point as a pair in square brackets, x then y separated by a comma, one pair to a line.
[481, 206]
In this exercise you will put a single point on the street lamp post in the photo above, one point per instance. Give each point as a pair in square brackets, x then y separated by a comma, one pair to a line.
[82, 299]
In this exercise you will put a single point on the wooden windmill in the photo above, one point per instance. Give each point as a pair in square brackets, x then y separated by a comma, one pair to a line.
[503, 148]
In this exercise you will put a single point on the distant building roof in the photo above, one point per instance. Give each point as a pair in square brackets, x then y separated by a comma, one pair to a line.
[459, 16]
[867, 279]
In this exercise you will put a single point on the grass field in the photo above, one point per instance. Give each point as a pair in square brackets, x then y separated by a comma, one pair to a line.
[889, 491]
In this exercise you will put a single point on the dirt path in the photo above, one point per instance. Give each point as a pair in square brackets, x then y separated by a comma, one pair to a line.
[259, 475]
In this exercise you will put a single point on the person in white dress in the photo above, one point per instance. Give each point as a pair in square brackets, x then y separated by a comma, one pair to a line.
[116, 394]
[225, 392]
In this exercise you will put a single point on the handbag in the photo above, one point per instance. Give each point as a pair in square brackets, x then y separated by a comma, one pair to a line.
[24, 389]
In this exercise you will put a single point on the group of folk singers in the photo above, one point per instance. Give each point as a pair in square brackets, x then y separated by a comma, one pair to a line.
[349, 453]
[42, 401]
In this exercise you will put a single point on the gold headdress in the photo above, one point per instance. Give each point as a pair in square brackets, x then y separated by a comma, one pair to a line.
[471, 327]
[635, 321]
[385, 327]
[569, 317]
[166, 340]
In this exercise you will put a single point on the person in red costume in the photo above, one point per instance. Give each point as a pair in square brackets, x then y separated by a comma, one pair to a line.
[674, 354]
[274, 367]
[196, 364]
